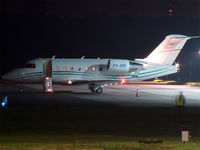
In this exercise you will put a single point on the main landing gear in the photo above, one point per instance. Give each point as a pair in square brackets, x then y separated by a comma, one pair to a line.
[95, 88]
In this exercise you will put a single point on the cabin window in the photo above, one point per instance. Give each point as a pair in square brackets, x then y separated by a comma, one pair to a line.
[79, 68]
[57, 68]
[86, 69]
[64, 68]
[28, 66]
[71, 68]
[93, 68]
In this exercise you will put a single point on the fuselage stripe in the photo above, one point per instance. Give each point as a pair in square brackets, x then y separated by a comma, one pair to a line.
[141, 75]
[171, 50]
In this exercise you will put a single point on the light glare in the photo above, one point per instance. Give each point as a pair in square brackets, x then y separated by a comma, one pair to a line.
[123, 81]
[177, 65]
[69, 82]
[3, 104]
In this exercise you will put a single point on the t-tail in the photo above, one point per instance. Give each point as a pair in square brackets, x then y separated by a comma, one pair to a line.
[168, 50]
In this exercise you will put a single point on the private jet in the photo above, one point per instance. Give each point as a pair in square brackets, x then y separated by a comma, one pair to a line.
[95, 72]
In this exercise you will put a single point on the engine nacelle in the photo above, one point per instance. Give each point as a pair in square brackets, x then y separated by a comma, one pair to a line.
[118, 65]
[134, 67]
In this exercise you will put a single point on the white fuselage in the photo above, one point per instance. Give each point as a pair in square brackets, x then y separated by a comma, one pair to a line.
[64, 70]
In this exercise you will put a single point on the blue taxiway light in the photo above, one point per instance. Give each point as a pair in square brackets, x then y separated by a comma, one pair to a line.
[4, 102]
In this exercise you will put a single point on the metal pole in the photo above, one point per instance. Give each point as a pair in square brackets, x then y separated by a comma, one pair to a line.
[190, 71]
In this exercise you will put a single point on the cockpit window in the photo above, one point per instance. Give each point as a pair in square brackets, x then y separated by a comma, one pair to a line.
[28, 66]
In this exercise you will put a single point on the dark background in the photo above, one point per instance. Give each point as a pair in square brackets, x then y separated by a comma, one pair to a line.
[125, 29]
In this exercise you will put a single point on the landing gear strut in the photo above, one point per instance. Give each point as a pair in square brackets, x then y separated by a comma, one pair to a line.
[20, 87]
[95, 88]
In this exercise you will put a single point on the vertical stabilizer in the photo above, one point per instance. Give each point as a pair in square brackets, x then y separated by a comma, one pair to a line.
[168, 50]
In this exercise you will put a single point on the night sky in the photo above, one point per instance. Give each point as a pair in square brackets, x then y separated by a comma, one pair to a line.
[125, 29]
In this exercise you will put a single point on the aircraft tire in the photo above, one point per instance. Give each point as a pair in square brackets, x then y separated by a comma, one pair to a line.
[21, 90]
[99, 90]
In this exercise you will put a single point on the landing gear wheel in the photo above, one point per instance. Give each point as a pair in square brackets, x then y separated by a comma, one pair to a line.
[95, 88]
[21, 90]
[99, 90]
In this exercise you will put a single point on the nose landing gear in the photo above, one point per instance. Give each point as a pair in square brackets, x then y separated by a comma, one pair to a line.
[21, 90]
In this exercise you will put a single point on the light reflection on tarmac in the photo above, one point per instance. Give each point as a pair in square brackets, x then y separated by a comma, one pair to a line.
[121, 95]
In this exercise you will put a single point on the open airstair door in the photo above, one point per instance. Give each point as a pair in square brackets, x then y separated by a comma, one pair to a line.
[47, 75]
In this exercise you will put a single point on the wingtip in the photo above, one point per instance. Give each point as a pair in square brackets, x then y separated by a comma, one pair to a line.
[181, 36]
[176, 36]
[193, 37]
